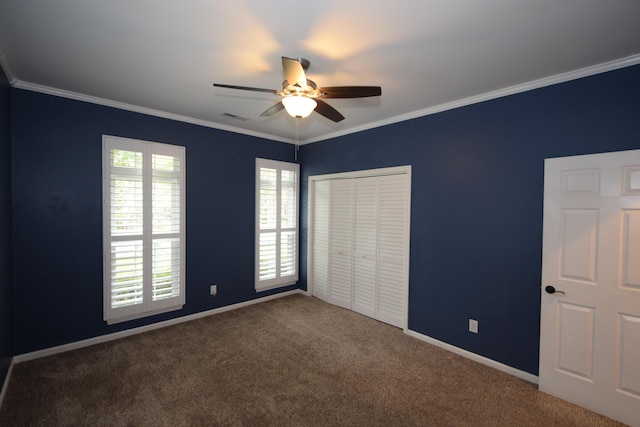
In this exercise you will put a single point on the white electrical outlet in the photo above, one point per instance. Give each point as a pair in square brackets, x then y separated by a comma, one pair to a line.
[214, 289]
[473, 326]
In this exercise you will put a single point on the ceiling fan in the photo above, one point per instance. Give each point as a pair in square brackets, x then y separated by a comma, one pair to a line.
[301, 96]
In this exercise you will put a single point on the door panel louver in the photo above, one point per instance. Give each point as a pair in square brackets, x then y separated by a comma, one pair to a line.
[392, 249]
[320, 249]
[365, 245]
[341, 235]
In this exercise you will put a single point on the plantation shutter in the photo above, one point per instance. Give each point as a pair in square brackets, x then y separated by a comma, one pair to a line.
[126, 227]
[277, 188]
[166, 226]
[144, 228]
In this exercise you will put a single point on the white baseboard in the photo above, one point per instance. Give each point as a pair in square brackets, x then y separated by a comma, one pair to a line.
[117, 335]
[5, 385]
[122, 334]
[476, 357]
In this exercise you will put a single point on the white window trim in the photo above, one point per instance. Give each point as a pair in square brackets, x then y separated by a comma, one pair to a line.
[148, 307]
[278, 281]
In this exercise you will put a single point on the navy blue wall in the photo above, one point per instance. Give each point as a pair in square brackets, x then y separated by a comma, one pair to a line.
[476, 207]
[5, 226]
[477, 196]
[57, 227]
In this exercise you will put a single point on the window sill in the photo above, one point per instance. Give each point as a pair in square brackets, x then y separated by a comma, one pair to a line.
[145, 314]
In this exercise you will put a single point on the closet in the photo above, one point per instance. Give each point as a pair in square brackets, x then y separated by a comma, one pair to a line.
[359, 241]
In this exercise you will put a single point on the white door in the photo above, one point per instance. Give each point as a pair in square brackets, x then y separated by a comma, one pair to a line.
[320, 227]
[365, 244]
[393, 250]
[340, 242]
[590, 326]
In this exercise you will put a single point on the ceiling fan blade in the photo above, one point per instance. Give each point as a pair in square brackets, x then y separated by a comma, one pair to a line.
[328, 111]
[272, 110]
[254, 89]
[293, 72]
[350, 91]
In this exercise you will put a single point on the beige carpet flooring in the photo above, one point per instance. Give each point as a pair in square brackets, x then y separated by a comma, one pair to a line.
[293, 361]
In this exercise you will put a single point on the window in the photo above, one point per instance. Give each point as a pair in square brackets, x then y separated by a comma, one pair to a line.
[277, 187]
[143, 227]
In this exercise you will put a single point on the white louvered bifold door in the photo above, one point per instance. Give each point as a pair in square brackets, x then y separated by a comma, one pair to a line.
[341, 242]
[320, 230]
[360, 234]
[364, 245]
[392, 249]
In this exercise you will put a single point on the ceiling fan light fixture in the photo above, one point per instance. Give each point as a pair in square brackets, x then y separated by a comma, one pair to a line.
[300, 96]
[299, 106]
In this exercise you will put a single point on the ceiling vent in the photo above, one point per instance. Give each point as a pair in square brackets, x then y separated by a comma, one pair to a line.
[233, 116]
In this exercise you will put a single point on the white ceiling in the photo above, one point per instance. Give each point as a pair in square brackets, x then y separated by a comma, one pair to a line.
[162, 56]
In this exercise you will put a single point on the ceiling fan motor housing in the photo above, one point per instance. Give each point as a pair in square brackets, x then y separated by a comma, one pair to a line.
[305, 63]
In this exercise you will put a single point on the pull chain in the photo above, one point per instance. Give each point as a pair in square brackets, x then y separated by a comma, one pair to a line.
[297, 138]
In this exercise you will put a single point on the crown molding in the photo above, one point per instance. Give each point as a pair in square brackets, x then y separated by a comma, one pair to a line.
[4, 64]
[143, 110]
[511, 90]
